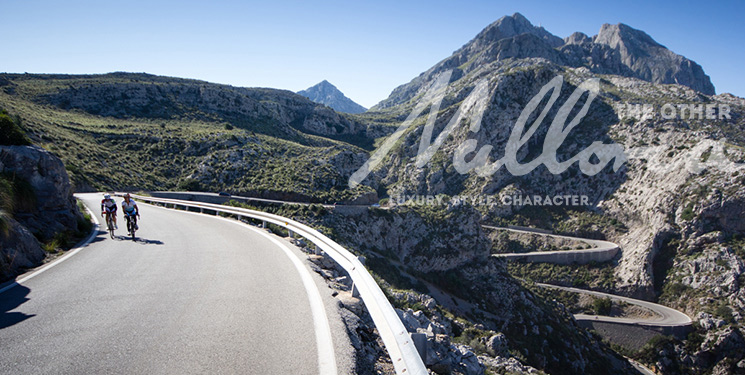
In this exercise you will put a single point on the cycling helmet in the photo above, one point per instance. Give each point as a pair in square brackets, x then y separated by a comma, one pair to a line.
[106, 196]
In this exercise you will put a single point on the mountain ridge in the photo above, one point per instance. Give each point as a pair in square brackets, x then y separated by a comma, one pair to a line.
[616, 49]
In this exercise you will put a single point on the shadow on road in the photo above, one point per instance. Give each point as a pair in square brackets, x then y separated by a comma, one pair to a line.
[144, 241]
[11, 299]
[100, 236]
[139, 240]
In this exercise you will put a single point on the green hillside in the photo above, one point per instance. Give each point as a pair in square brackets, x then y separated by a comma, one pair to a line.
[138, 131]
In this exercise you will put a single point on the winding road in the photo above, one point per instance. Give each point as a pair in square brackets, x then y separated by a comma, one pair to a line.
[664, 316]
[192, 295]
[599, 251]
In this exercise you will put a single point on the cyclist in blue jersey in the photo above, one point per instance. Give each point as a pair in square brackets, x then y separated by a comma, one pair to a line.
[131, 212]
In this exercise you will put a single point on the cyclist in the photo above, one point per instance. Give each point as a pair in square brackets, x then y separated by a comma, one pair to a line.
[131, 212]
[108, 207]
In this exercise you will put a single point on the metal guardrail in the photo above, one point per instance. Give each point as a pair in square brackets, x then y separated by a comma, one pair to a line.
[398, 342]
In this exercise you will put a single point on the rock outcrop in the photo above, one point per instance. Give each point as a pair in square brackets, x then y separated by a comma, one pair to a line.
[49, 207]
[19, 249]
[55, 209]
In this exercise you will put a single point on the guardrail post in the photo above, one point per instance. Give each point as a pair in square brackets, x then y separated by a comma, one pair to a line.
[263, 224]
[355, 292]
[289, 233]
[420, 342]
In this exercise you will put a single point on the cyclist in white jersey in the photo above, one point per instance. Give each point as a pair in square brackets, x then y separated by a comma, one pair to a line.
[108, 207]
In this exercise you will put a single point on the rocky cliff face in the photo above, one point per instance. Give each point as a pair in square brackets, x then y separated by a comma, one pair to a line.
[49, 209]
[446, 246]
[327, 94]
[428, 241]
[55, 209]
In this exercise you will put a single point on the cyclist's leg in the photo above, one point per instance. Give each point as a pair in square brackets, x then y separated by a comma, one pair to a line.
[109, 216]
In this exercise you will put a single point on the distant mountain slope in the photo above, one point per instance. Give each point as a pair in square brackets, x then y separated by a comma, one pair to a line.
[273, 112]
[326, 93]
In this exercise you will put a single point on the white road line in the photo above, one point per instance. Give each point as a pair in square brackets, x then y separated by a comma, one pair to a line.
[94, 233]
[324, 343]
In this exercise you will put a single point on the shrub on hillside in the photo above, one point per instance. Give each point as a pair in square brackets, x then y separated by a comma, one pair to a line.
[10, 133]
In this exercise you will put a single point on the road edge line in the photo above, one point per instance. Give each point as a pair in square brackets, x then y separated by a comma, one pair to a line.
[324, 343]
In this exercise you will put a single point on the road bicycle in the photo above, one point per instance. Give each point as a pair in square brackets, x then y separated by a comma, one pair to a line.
[110, 224]
[131, 224]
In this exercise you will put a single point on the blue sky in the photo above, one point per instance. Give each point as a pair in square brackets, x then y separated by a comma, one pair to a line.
[365, 48]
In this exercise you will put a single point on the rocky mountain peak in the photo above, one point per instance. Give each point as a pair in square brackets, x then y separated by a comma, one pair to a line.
[624, 35]
[508, 27]
[578, 38]
[652, 61]
[326, 93]
[325, 85]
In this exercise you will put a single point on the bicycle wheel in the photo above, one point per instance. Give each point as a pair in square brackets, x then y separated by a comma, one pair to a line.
[132, 227]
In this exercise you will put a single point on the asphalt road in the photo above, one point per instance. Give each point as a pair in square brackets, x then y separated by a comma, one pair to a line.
[192, 295]
[666, 316]
[594, 245]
